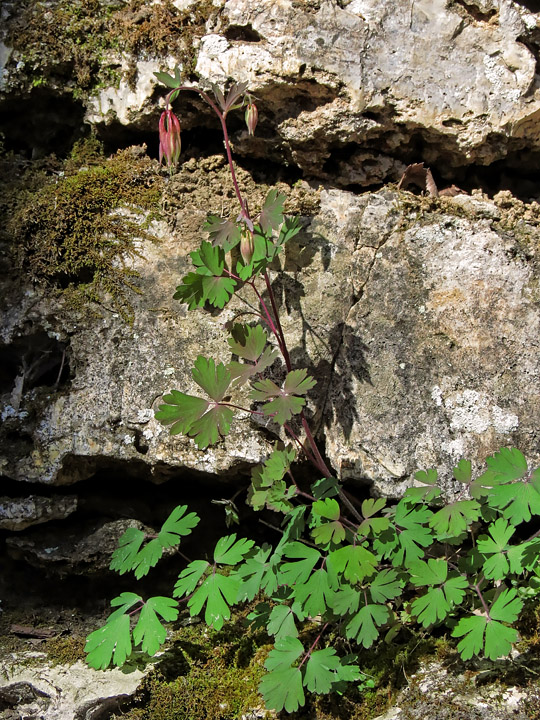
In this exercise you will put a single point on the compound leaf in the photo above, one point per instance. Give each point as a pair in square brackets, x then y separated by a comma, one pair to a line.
[217, 592]
[110, 642]
[453, 519]
[177, 525]
[314, 595]
[282, 689]
[191, 291]
[211, 426]
[271, 215]
[248, 342]
[427, 491]
[213, 380]
[328, 532]
[222, 232]
[386, 585]
[324, 668]
[281, 622]
[463, 471]
[354, 562]
[285, 401]
[181, 411]
[501, 558]
[149, 631]
[258, 573]
[363, 626]
[189, 577]
[230, 551]
[128, 546]
[291, 573]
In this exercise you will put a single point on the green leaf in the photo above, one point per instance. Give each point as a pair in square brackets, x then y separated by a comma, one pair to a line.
[282, 689]
[147, 557]
[267, 485]
[242, 372]
[489, 634]
[386, 585]
[258, 574]
[325, 487]
[248, 342]
[110, 642]
[363, 626]
[215, 424]
[167, 80]
[346, 600]
[298, 572]
[190, 577]
[463, 471]
[281, 622]
[126, 552]
[445, 590]
[200, 419]
[375, 525]
[505, 466]
[354, 562]
[223, 232]
[291, 227]
[328, 532]
[217, 592]
[286, 651]
[454, 519]
[149, 631]
[124, 602]
[271, 215]
[501, 557]
[405, 546]
[230, 551]
[324, 668]
[315, 594]
[425, 492]
[181, 411]
[286, 401]
[213, 380]
[176, 526]
[218, 290]
[191, 291]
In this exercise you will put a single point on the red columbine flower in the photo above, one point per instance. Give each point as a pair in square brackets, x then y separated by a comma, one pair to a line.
[252, 115]
[169, 139]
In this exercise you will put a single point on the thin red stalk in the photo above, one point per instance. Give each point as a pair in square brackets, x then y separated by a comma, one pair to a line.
[283, 343]
[313, 646]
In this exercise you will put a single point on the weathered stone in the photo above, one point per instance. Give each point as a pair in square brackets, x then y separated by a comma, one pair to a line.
[441, 693]
[20, 513]
[33, 688]
[81, 551]
[436, 361]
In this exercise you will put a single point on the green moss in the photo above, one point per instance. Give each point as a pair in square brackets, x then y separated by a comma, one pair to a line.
[79, 40]
[77, 232]
[65, 650]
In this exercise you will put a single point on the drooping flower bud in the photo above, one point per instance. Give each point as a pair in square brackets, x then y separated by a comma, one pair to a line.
[169, 139]
[247, 246]
[252, 115]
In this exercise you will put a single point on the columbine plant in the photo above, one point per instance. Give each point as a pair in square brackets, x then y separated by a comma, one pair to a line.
[343, 568]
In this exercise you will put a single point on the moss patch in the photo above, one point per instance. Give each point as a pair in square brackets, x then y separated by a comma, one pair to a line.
[79, 41]
[76, 230]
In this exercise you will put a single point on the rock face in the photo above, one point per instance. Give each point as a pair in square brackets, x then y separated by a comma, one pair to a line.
[31, 688]
[418, 318]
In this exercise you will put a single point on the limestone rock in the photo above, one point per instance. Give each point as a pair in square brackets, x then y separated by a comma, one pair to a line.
[31, 687]
[82, 550]
[20, 513]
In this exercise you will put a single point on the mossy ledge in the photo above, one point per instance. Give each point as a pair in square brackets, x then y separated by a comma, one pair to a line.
[75, 229]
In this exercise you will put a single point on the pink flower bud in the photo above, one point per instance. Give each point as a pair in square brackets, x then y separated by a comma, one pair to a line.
[169, 139]
[247, 247]
[252, 115]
